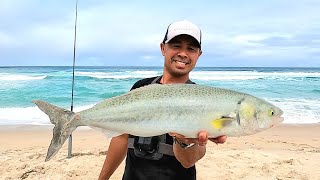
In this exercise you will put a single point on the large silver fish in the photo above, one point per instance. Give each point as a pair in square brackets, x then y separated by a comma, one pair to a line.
[158, 109]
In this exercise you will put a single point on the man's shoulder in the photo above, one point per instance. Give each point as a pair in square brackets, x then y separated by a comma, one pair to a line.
[143, 82]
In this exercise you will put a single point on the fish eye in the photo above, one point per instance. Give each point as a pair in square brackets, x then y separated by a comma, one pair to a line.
[271, 112]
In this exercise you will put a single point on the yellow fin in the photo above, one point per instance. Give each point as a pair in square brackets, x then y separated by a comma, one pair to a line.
[222, 122]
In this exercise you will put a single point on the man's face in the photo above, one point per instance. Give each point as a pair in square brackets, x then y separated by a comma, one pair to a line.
[181, 55]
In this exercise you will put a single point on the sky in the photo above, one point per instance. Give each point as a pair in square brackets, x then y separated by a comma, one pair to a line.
[275, 33]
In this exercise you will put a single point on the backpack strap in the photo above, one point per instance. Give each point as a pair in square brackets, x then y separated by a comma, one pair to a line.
[159, 77]
[163, 148]
[156, 79]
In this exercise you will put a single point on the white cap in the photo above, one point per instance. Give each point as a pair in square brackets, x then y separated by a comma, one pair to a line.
[183, 27]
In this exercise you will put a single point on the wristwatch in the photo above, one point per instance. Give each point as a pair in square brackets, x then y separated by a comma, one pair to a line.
[182, 145]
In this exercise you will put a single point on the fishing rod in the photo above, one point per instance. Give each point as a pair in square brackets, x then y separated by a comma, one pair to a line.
[73, 67]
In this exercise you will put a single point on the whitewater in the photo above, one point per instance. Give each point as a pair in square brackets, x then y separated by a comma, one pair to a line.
[295, 90]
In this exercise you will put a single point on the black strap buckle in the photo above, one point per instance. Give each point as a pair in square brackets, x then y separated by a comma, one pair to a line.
[146, 144]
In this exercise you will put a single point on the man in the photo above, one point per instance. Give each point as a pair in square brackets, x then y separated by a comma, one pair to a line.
[170, 156]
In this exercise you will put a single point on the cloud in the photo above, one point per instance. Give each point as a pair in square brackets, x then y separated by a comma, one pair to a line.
[7, 41]
[35, 32]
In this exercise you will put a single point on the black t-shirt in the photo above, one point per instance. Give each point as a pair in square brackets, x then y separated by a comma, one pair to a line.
[166, 168]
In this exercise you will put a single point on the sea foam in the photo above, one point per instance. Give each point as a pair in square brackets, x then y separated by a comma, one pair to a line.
[119, 75]
[29, 115]
[12, 77]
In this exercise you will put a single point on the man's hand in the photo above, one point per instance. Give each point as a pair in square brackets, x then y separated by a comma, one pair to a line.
[201, 140]
[189, 156]
[219, 140]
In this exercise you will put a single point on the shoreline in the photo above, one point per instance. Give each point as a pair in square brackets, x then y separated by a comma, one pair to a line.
[289, 151]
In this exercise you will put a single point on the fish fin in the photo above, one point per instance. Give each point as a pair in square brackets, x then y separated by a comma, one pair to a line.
[108, 133]
[65, 122]
[222, 122]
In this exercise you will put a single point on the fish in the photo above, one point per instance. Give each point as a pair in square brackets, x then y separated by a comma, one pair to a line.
[156, 109]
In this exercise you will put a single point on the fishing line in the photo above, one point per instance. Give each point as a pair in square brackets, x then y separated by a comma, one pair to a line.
[73, 67]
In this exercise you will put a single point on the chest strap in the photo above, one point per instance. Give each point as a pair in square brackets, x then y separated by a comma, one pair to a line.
[162, 147]
[159, 77]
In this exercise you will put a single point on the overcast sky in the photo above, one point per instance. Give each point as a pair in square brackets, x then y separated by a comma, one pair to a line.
[235, 33]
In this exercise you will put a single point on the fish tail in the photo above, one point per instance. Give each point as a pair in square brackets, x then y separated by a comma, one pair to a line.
[65, 122]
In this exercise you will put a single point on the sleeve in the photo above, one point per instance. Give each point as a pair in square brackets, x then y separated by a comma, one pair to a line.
[142, 82]
[136, 85]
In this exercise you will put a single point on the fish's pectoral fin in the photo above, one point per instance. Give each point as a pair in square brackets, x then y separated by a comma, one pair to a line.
[222, 122]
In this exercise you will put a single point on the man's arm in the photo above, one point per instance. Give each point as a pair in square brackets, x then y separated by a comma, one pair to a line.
[116, 153]
[188, 157]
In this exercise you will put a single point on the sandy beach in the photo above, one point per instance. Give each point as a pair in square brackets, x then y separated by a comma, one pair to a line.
[285, 152]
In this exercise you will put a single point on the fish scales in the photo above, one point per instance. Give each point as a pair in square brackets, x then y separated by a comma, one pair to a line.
[157, 109]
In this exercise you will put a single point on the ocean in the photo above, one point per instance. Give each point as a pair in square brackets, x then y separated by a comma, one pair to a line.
[295, 90]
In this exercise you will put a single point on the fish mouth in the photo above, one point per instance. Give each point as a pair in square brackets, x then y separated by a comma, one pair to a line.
[276, 121]
[280, 118]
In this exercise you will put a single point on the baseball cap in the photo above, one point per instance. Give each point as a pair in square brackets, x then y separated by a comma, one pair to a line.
[183, 27]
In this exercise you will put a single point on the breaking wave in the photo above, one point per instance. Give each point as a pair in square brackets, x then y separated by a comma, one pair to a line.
[13, 77]
[119, 75]
[28, 115]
